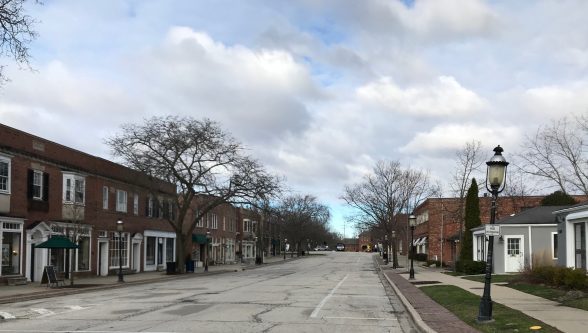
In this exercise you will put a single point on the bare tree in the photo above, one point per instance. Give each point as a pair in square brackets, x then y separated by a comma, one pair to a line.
[386, 193]
[557, 154]
[468, 163]
[303, 217]
[205, 163]
[16, 33]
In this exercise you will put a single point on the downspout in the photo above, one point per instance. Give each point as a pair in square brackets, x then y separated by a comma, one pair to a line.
[530, 249]
[442, 241]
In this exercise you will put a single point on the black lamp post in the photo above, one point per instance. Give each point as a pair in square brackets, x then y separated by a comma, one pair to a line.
[206, 251]
[412, 224]
[387, 261]
[120, 228]
[393, 249]
[285, 242]
[495, 183]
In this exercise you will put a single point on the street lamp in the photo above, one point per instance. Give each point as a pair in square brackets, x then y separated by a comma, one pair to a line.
[393, 249]
[120, 228]
[285, 242]
[495, 183]
[387, 261]
[206, 251]
[412, 224]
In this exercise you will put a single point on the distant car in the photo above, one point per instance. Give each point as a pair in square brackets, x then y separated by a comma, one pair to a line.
[340, 247]
[321, 248]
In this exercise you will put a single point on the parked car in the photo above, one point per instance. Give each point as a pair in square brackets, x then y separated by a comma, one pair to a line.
[340, 247]
[321, 248]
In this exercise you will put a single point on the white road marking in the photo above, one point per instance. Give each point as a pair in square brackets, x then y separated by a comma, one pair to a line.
[43, 312]
[360, 318]
[6, 315]
[38, 331]
[322, 303]
[75, 307]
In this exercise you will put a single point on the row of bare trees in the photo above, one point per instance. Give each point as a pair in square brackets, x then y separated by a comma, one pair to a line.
[203, 161]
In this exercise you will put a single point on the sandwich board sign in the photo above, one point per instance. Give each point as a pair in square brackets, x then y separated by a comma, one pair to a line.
[492, 230]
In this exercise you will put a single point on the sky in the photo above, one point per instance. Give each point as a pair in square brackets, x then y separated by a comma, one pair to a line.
[318, 90]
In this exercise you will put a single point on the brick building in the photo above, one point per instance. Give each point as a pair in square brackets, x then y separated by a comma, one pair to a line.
[49, 189]
[437, 232]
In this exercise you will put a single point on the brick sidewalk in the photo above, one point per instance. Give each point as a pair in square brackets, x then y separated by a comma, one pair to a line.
[434, 315]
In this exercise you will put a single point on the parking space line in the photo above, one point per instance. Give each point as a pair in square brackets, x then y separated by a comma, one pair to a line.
[322, 303]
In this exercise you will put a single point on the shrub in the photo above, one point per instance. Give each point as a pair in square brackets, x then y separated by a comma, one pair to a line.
[437, 263]
[559, 277]
[470, 267]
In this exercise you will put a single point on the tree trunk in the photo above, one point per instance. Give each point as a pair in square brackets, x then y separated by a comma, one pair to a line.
[181, 252]
[394, 254]
[71, 275]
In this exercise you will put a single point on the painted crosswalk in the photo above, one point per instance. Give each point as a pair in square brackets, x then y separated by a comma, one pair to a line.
[30, 313]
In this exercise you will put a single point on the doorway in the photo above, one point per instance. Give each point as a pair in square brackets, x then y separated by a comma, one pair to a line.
[103, 258]
[514, 256]
[580, 245]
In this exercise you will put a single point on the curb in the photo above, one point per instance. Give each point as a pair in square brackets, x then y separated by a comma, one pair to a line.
[414, 315]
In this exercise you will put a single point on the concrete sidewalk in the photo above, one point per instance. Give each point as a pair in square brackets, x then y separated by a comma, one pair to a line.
[35, 290]
[561, 317]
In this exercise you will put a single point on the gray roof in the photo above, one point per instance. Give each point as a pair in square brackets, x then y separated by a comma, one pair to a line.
[536, 215]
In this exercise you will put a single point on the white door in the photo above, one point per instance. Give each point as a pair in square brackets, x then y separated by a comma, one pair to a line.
[514, 257]
[136, 256]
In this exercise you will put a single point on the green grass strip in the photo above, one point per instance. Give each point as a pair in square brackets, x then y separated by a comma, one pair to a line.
[465, 305]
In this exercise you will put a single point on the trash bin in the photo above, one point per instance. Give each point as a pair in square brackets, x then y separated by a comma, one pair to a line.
[190, 266]
[170, 267]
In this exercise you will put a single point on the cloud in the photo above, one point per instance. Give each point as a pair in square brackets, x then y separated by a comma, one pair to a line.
[444, 97]
[451, 137]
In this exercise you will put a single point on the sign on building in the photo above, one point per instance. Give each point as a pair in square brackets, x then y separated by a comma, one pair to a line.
[492, 230]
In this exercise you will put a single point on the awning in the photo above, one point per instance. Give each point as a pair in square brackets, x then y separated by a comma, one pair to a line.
[57, 242]
[422, 241]
[199, 238]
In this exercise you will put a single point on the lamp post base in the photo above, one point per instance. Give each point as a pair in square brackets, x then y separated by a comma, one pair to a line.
[485, 314]
[411, 274]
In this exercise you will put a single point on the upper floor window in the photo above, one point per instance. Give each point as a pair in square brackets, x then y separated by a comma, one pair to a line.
[247, 225]
[224, 223]
[121, 201]
[213, 221]
[4, 174]
[37, 185]
[104, 197]
[149, 208]
[135, 204]
[74, 188]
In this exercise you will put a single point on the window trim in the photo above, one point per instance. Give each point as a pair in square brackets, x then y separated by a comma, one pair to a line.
[8, 161]
[39, 174]
[105, 191]
[73, 179]
[122, 207]
[553, 250]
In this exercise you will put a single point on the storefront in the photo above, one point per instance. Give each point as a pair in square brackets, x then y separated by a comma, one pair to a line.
[159, 249]
[11, 230]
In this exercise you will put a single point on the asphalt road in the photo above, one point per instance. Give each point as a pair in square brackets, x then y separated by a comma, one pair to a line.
[334, 292]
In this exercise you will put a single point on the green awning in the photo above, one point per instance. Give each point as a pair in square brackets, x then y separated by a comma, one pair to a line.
[199, 238]
[57, 242]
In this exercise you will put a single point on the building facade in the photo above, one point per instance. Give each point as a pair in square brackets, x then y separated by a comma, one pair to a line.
[48, 189]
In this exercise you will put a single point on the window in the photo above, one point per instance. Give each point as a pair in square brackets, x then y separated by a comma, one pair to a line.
[554, 245]
[224, 223]
[104, 197]
[247, 226]
[4, 174]
[149, 206]
[121, 201]
[150, 251]
[169, 249]
[135, 204]
[37, 185]
[200, 223]
[74, 188]
[213, 221]
[114, 249]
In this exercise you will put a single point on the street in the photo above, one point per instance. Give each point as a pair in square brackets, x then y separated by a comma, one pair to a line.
[332, 292]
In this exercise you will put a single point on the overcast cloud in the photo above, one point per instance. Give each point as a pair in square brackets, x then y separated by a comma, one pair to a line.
[318, 90]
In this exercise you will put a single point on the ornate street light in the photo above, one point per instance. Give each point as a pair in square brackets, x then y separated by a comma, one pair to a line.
[412, 224]
[393, 247]
[495, 183]
[120, 228]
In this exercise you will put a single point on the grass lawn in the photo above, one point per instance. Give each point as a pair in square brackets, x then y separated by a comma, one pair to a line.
[465, 305]
[550, 294]
[496, 278]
